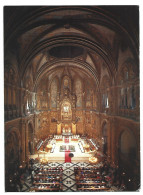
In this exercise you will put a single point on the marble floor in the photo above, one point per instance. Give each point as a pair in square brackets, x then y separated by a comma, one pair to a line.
[56, 159]
[58, 156]
[68, 179]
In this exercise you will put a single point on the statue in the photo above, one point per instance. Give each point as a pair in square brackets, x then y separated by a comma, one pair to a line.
[69, 130]
[66, 92]
[63, 130]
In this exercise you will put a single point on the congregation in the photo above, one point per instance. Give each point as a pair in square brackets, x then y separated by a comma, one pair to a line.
[42, 177]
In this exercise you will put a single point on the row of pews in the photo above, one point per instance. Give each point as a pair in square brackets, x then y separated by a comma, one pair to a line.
[89, 179]
[47, 180]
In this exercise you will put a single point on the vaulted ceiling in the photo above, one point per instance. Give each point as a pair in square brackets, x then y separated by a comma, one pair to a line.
[86, 39]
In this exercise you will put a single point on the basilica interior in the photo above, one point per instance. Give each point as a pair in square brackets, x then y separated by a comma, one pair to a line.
[71, 98]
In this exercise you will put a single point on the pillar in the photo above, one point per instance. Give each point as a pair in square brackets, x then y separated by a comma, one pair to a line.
[23, 128]
[110, 138]
[59, 129]
[73, 128]
[26, 142]
[114, 151]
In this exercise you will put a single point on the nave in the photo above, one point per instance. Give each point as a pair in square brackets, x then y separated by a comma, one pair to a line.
[68, 164]
[71, 95]
[68, 182]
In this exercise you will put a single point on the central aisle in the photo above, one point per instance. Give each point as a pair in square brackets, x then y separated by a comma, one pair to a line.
[68, 179]
[67, 152]
[61, 172]
[67, 157]
[66, 140]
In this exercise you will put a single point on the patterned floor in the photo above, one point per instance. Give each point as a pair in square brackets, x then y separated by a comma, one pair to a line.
[68, 175]
[69, 184]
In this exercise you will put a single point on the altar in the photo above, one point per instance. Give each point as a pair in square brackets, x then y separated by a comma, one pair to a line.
[66, 129]
[64, 148]
[66, 134]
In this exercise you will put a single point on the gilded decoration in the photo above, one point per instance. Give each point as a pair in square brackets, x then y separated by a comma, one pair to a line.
[66, 112]
[54, 89]
[78, 91]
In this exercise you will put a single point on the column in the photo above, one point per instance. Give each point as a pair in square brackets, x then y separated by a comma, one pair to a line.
[9, 103]
[18, 103]
[6, 102]
[26, 142]
[73, 128]
[109, 131]
[59, 129]
[22, 94]
[114, 143]
[23, 128]
[13, 102]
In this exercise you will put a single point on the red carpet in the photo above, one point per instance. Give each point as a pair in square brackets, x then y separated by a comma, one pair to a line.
[66, 140]
[67, 158]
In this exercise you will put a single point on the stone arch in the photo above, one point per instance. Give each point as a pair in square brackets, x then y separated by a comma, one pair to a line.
[12, 75]
[12, 149]
[127, 146]
[127, 89]
[132, 68]
[104, 128]
[127, 71]
[11, 99]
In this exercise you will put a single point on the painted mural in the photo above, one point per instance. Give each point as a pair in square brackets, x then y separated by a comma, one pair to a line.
[66, 111]
[66, 83]
[54, 90]
[88, 95]
[78, 91]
